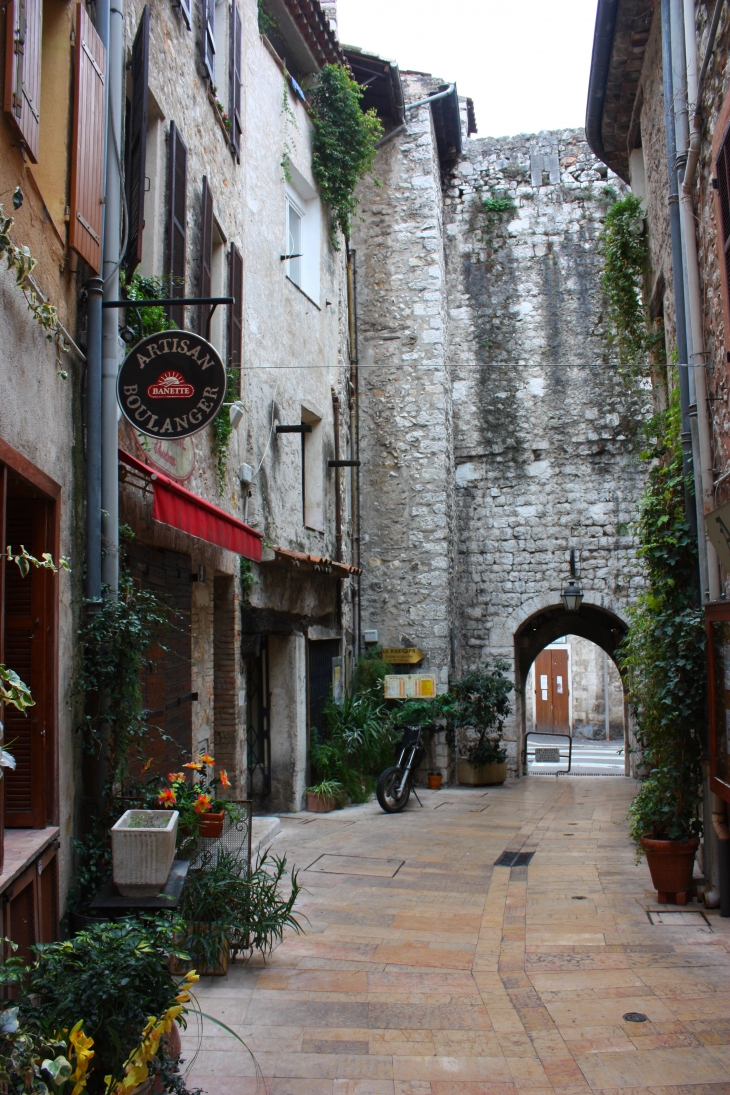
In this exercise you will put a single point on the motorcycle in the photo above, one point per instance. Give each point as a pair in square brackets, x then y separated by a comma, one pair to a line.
[396, 783]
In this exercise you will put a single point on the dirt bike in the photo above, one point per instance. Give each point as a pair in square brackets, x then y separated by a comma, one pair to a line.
[396, 783]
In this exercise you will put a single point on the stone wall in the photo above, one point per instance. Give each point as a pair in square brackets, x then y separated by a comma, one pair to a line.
[493, 418]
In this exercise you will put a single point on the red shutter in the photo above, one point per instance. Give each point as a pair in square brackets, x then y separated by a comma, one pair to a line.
[722, 170]
[206, 255]
[209, 38]
[235, 311]
[138, 143]
[87, 149]
[177, 188]
[22, 105]
[234, 105]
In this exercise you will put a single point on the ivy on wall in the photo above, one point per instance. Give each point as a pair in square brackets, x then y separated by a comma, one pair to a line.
[222, 430]
[345, 140]
[663, 654]
[624, 249]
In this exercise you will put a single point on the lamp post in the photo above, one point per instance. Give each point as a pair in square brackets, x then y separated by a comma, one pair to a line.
[572, 593]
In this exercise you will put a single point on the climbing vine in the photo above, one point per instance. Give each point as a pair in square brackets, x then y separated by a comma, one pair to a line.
[663, 654]
[146, 321]
[22, 262]
[624, 249]
[345, 140]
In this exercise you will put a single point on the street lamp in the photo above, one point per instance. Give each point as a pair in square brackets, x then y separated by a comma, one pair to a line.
[572, 594]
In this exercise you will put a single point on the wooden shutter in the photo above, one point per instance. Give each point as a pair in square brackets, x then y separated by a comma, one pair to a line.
[87, 148]
[24, 22]
[137, 143]
[177, 188]
[722, 170]
[234, 104]
[206, 255]
[209, 38]
[27, 633]
[235, 310]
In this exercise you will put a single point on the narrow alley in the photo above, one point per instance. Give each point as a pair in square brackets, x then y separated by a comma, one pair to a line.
[427, 969]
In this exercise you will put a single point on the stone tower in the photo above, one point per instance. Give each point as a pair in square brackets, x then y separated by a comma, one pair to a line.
[497, 433]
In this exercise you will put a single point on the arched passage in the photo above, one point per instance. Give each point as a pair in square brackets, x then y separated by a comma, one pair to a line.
[598, 625]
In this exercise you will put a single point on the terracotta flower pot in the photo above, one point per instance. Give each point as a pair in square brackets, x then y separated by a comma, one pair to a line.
[211, 825]
[486, 776]
[670, 863]
[434, 780]
[319, 804]
[173, 1045]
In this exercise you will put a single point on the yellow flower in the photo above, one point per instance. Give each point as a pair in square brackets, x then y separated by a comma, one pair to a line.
[147, 765]
[225, 782]
[81, 1045]
[193, 764]
[206, 758]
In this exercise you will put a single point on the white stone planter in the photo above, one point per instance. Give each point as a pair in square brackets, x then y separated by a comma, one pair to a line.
[143, 848]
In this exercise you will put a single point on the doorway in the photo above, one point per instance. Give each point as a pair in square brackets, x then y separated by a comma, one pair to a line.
[552, 692]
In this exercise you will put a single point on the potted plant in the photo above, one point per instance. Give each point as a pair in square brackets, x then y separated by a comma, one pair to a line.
[143, 848]
[323, 796]
[112, 990]
[434, 781]
[665, 824]
[227, 910]
[481, 704]
[202, 811]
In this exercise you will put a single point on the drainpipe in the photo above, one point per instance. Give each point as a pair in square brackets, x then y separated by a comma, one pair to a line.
[354, 440]
[703, 457]
[338, 500]
[110, 273]
[412, 106]
[690, 507]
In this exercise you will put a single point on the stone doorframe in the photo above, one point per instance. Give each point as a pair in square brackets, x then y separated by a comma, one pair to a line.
[599, 625]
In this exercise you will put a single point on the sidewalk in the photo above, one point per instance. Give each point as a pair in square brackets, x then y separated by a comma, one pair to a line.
[427, 970]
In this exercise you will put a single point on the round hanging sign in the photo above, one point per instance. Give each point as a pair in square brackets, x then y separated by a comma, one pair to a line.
[173, 456]
[171, 384]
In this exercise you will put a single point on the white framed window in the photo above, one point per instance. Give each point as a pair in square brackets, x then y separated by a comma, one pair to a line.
[217, 285]
[303, 232]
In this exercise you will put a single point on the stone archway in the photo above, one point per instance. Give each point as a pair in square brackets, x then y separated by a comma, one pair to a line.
[593, 622]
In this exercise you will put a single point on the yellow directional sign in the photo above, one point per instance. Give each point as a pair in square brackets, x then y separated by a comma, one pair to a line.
[402, 655]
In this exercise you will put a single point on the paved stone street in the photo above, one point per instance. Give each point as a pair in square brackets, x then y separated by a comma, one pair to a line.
[427, 970]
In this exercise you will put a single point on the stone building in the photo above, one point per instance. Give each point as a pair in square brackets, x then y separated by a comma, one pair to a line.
[497, 435]
[247, 671]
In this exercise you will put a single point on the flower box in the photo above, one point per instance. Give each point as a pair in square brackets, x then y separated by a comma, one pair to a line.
[486, 776]
[143, 848]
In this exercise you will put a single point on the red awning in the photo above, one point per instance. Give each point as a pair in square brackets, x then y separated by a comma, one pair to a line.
[180, 508]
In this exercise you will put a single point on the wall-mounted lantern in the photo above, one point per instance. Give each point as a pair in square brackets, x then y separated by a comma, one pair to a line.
[572, 593]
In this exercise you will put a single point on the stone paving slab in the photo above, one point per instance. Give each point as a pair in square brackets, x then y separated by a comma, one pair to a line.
[426, 970]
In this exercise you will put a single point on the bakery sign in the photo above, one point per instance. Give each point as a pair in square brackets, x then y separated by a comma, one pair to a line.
[171, 385]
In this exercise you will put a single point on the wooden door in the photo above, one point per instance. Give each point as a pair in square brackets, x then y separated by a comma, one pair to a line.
[27, 638]
[551, 692]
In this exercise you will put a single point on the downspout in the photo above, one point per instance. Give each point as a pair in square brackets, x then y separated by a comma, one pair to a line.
[690, 507]
[354, 453]
[412, 106]
[338, 500]
[697, 352]
[110, 272]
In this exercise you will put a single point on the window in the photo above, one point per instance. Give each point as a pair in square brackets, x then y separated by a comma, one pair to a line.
[154, 184]
[637, 174]
[294, 242]
[312, 471]
[303, 230]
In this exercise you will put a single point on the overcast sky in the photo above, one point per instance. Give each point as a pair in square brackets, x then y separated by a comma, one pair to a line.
[525, 64]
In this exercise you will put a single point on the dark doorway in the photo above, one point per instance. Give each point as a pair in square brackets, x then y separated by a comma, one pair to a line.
[167, 681]
[258, 702]
[320, 655]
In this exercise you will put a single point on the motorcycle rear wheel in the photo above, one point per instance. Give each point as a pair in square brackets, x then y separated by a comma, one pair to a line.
[387, 791]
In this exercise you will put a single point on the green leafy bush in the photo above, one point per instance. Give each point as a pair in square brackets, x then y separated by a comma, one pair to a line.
[624, 248]
[481, 702]
[358, 744]
[663, 654]
[111, 978]
[224, 906]
[147, 321]
[344, 141]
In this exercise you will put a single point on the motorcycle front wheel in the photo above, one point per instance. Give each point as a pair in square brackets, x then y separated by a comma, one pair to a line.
[387, 791]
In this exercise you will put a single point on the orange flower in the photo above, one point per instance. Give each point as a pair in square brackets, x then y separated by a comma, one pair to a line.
[176, 777]
[206, 758]
[202, 803]
[167, 797]
[193, 764]
[147, 765]
[225, 782]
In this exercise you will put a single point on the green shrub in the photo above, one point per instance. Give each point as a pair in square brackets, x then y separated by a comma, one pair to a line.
[663, 654]
[481, 702]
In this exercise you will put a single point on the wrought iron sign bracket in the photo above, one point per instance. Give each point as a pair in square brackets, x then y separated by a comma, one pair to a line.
[169, 302]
